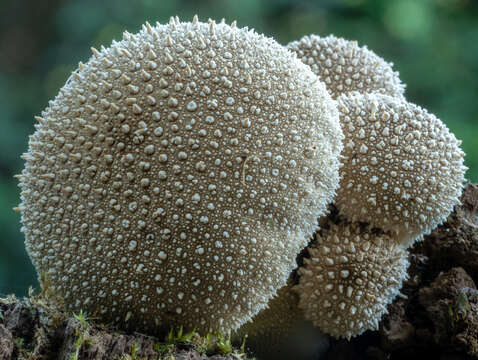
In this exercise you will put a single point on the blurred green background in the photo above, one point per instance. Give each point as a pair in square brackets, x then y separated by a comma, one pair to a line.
[433, 44]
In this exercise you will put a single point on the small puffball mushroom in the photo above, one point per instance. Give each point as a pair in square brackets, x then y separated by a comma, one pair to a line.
[352, 274]
[280, 331]
[403, 170]
[278, 318]
[177, 174]
[346, 67]
[270, 328]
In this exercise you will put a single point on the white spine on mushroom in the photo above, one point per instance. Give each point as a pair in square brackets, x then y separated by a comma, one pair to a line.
[344, 66]
[177, 174]
[352, 275]
[403, 170]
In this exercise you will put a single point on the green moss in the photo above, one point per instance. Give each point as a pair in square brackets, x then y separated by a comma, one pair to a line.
[180, 337]
[52, 317]
[82, 334]
[134, 350]
[81, 317]
[223, 343]
[19, 342]
[163, 349]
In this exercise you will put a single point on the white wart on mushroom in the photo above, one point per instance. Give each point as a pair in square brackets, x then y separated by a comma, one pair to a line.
[177, 174]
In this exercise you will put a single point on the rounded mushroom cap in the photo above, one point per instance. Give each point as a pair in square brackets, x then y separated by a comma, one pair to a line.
[403, 170]
[352, 274]
[177, 174]
[346, 67]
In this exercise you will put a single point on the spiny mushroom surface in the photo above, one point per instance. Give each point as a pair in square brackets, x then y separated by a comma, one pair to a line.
[352, 274]
[402, 168]
[345, 67]
[177, 174]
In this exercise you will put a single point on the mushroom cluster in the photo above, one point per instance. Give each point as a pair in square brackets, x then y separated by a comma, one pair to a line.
[403, 169]
[177, 175]
[402, 174]
[179, 172]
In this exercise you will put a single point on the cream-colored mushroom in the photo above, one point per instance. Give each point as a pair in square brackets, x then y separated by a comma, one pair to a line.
[345, 67]
[280, 331]
[177, 174]
[353, 273]
[402, 168]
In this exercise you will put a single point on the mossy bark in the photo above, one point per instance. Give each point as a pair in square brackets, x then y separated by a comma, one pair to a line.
[35, 328]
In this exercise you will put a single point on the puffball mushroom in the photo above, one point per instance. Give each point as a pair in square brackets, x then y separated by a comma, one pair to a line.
[353, 273]
[280, 331]
[402, 168]
[177, 174]
[345, 67]
[271, 327]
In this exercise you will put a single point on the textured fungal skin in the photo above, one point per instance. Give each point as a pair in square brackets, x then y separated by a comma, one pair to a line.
[273, 327]
[345, 67]
[280, 331]
[403, 170]
[177, 174]
[351, 276]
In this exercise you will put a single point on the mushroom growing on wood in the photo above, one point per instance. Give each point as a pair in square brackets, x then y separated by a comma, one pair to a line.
[402, 168]
[345, 67]
[177, 174]
[353, 273]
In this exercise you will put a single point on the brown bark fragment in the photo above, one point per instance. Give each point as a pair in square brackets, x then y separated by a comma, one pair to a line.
[44, 332]
[6, 343]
